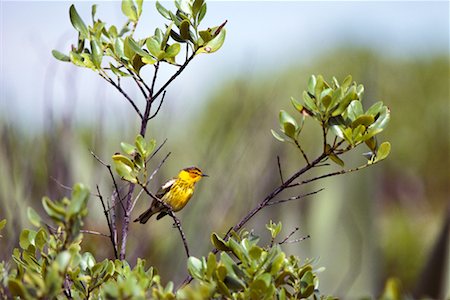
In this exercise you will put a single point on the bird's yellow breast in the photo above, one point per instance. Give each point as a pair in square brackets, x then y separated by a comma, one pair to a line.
[179, 195]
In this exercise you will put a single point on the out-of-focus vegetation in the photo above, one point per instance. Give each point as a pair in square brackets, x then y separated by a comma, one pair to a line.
[361, 235]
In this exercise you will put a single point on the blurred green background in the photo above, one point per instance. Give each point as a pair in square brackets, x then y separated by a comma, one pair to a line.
[365, 227]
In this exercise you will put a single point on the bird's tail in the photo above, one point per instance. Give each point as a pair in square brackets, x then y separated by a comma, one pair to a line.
[143, 218]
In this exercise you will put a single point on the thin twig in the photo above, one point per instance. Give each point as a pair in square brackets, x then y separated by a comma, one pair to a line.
[157, 150]
[108, 220]
[294, 198]
[94, 233]
[331, 174]
[298, 240]
[279, 169]
[171, 213]
[301, 150]
[159, 167]
[177, 73]
[149, 179]
[289, 235]
[108, 166]
[126, 220]
[117, 86]
[180, 229]
[159, 106]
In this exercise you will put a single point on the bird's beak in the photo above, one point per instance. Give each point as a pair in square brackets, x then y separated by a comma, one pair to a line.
[204, 175]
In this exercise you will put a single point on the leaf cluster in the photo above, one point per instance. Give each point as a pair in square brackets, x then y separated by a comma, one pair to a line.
[338, 109]
[133, 163]
[247, 270]
[51, 265]
[127, 54]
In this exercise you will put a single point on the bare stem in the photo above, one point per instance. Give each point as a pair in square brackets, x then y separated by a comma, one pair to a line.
[108, 220]
[301, 150]
[294, 198]
[279, 169]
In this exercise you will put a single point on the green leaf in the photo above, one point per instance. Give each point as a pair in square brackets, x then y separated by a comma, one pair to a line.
[154, 47]
[141, 145]
[219, 243]
[383, 151]
[60, 56]
[172, 50]
[297, 105]
[53, 210]
[312, 84]
[2, 224]
[151, 145]
[93, 12]
[375, 109]
[76, 59]
[78, 23]
[277, 136]
[309, 102]
[135, 46]
[184, 30]
[210, 265]
[26, 238]
[80, 196]
[129, 10]
[201, 13]
[128, 148]
[336, 159]
[17, 289]
[195, 267]
[117, 71]
[97, 53]
[371, 143]
[33, 216]
[365, 120]
[139, 4]
[214, 44]
[288, 124]
[62, 260]
[162, 10]
[346, 82]
[354, 110]
[347, 98]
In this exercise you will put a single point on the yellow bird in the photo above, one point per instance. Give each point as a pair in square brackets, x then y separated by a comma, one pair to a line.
[176, 192]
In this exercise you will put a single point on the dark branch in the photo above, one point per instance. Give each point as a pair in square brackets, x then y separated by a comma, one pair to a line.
[108, 220]
[279, 169]
[289, 236]
[108, 166]
[117, 86]
[159, 106]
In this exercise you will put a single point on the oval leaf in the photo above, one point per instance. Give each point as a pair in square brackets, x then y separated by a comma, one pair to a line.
[77, 22]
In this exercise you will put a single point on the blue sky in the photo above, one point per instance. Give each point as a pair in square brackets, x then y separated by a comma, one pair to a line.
[262, 37]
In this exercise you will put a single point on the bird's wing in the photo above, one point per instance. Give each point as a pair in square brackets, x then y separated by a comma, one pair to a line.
[165, 188]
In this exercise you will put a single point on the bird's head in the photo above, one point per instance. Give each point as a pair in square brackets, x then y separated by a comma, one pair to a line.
[192, 174]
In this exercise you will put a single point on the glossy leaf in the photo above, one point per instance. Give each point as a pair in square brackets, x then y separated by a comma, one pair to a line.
[365, 120]
[312, 84]
[201, 13]
[195, 268]
[153, 46]
[277, 136]
[336, 159]
[129, 10]
[219, 243]
[80, 196]
[127, 148]
[53, 210]
[214, 44]
[184, 30]
[297, 105]
[60, 56]
[162, 10]
[172, 50]
[288, 123]
[33, 217]
[383, 151]
[97, 53]
[78, 23]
